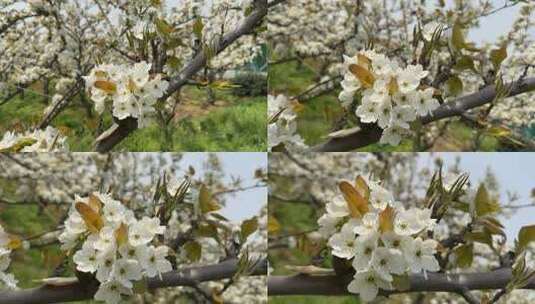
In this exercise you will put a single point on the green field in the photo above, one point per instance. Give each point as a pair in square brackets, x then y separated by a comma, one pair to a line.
[238, 125]
[321, 113]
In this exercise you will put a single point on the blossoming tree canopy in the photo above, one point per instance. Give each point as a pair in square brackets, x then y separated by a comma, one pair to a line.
[132, 91]
[401, 65]
[161, 234]
[7, 244]
[408, 235]
[134, 55]
[48, 140]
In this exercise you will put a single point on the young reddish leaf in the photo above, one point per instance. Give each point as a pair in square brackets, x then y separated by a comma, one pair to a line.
[362, 187]
[393, 86]
[386, 219]
[358, 206]
[94, 202]
[364, 61]
[365, 77]
[106, 86]
[92, 219]
[121, 234]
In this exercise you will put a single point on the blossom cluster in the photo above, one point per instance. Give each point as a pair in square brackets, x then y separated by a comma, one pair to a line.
[392, 96]
[116, 247]
[132, 89]
[47, 140]
[7, 280]
[381, 237]
[282, 129]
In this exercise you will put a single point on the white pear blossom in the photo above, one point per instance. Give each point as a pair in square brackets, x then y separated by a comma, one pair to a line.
[420, 255]
[125, 271]
[154, 261]
[387, 261]
[367, 285]
[381, 240]
[343, 243]
[367, 225]
[282, 128]
[132, 90]
[7, 280]
[366, 245]
[111, 291]
[391, 95]
[118, 249]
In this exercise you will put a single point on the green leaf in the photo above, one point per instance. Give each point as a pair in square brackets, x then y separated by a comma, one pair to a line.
[454, 85]
[497, 56]
[163, 27]
[193, 251]
[480, 236]
[207, 230]
[498, 131]
[19, 145]
[198, 26]
[173, 43]
[464, 63]
[484, 204]
[492, 225]
[457, 36]
[206, 201]
[248, 227]
[465, 255]
[174, 62]
[219, 217]
[525, 236]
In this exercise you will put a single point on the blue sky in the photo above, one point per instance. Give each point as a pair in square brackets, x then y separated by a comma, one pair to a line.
[515, 172]
[244, 204]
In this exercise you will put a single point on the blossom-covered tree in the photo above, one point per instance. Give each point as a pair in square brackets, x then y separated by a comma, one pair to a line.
[139, 227]
[126, 58]
[405, 69]
[393, 225]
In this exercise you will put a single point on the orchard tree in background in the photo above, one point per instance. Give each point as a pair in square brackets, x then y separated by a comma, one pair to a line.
[406, 69]
[382, 225]
[127, 59]
[142, 228]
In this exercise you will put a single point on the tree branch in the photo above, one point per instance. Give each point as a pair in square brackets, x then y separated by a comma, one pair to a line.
[336, 285]
[115, 136]
[371, 133]
[79, 291]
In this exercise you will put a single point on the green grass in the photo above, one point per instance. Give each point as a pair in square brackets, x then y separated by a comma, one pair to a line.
[240, 126]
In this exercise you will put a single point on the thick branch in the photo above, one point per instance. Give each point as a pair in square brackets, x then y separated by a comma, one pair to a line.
[371, 133]
[78, 291]
[246, 27]
[334, 285]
